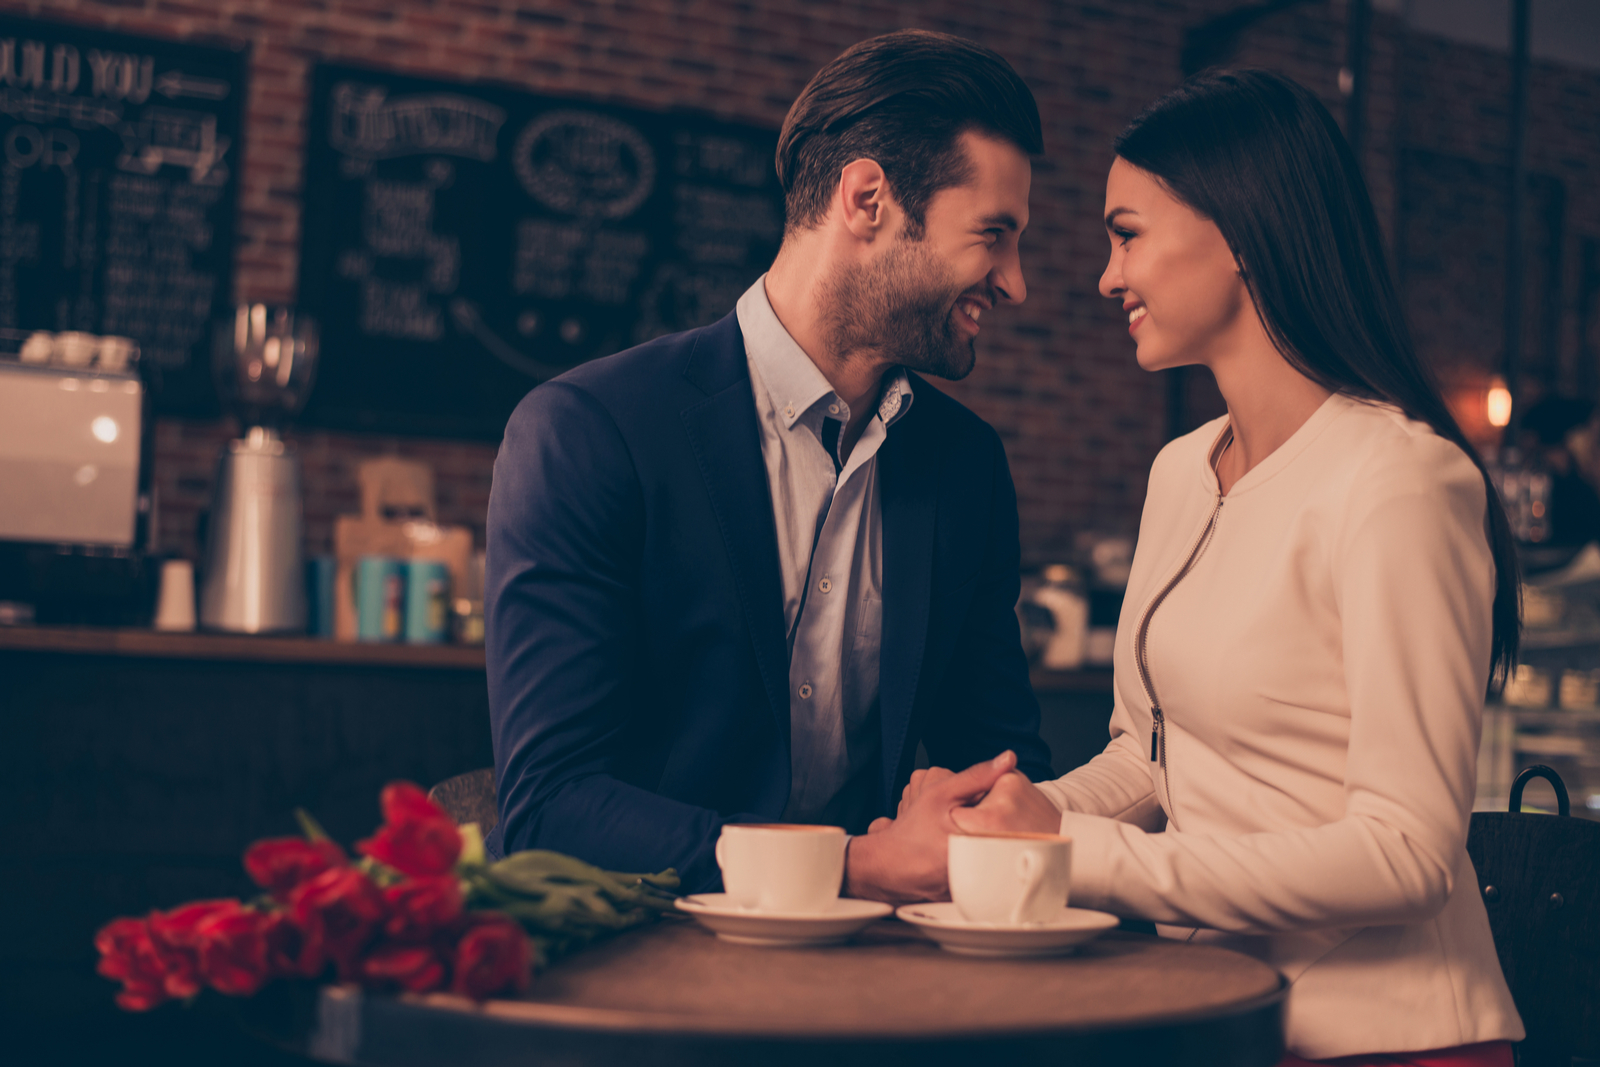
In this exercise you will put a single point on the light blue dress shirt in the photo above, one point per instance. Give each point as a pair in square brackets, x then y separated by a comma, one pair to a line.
[830, 543]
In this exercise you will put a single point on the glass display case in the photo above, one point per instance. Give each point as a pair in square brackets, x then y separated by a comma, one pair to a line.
[1549, 710]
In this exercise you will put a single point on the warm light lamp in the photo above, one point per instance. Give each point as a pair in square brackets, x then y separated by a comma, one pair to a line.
[1498, 403]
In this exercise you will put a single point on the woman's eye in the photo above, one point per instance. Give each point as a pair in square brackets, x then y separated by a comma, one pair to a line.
[1124, 236]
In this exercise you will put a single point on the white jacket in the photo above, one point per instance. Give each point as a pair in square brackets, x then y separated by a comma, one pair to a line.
[1321, 670]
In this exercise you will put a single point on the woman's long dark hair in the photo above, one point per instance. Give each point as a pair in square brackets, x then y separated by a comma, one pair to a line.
[1261, 157]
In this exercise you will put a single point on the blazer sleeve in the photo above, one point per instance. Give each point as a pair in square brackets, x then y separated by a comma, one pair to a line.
[565, 544]
[1414, 580]
[986, 704]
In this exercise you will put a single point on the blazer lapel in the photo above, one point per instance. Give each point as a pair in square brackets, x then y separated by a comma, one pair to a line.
[908, 495]
[727, 446]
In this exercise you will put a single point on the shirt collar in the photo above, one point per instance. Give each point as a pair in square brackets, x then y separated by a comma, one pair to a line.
[793, 382]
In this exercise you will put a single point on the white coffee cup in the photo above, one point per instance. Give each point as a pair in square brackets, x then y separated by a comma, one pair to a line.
[116, 353]
[76, 348]
[175, 602]
[791, 868]
[1010, 879]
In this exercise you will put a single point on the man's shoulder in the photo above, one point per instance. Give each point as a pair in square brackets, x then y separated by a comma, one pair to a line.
[639, 372]
[636, 386]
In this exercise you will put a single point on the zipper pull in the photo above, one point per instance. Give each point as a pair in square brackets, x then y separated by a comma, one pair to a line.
[1155, 722]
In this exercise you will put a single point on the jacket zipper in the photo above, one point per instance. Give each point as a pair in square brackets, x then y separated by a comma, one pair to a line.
[1158, 723]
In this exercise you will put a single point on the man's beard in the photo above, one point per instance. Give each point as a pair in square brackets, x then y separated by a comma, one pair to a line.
[898, 308]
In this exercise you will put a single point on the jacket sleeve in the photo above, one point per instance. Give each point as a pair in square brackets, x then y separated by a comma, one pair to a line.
[1414, 580]
[986, 704]
[1116, 783]
[561, 603]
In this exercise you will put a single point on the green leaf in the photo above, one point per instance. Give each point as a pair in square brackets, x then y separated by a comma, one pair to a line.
[471, 845]
[310, 827]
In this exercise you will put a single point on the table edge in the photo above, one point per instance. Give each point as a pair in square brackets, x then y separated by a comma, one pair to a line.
[572, 1018]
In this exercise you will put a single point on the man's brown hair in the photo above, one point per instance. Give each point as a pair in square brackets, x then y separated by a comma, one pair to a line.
[902, 99]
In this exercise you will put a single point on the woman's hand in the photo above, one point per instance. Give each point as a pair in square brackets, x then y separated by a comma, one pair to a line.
[1013, 804]
[906, 859]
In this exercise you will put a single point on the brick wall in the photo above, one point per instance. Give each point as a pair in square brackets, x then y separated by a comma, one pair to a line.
[1056, 377]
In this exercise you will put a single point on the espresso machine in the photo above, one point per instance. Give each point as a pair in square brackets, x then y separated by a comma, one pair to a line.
[254, 571]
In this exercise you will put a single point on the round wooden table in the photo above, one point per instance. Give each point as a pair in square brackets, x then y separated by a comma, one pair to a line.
[675, 994]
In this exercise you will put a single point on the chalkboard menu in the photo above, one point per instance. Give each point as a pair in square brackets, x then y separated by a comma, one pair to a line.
[464, 243]
[118, 187]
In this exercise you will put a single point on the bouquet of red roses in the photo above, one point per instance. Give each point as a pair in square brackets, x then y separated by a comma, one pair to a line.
[421, 910]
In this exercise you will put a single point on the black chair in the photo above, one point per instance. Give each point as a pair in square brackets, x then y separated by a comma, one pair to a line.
[469, 798]
[1540, 879]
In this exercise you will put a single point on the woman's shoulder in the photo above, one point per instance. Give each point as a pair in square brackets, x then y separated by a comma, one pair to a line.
[1388, 444]
[1392, 457]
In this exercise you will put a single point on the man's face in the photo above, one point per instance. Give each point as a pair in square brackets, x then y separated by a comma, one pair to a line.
[919, 301]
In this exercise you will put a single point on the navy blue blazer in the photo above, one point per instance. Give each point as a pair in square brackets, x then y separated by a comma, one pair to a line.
[638, 666]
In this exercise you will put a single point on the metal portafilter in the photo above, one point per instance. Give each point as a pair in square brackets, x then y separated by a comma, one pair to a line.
[265, 363]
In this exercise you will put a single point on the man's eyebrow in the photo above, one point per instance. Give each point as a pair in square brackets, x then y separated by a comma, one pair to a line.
[1114, 212]
[1001, 218]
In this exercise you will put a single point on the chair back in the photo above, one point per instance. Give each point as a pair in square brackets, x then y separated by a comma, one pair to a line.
[469, 798]
[1540, 879]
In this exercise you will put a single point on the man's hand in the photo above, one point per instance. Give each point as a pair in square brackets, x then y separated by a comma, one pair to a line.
[1014, 804]
[906, 859]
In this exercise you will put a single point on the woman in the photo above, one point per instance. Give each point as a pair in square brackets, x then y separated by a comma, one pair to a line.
[1323, 580]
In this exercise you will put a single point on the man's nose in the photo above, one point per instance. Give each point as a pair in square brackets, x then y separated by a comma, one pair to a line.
[1008, 283]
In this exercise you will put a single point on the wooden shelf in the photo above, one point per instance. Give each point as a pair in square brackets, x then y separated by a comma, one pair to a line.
[1560, 639]
[135, 642]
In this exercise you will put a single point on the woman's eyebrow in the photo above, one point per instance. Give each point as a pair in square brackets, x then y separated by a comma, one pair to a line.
[1114, 212]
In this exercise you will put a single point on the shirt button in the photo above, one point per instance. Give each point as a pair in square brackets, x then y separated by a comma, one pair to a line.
[805, 691]
[825, 585]
[833, 409]
[788, 411]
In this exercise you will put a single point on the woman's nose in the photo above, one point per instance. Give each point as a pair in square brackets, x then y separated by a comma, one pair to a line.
[1111, 279]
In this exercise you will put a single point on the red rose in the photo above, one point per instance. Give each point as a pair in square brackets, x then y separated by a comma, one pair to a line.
[338, 911]
[176, 936]
[418, 908]
[129, 955]
[289, 952]
[278, 865]
[417, 837]
[232, 948]
[414, 968]
[492, 957]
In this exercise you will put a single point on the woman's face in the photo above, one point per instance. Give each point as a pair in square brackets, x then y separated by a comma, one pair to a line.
[1173, 273]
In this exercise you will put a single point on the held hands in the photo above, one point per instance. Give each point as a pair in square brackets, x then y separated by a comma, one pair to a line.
[1013, 805]
[904, 859]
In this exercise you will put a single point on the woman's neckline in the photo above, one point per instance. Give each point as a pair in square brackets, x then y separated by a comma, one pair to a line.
[1278, 458]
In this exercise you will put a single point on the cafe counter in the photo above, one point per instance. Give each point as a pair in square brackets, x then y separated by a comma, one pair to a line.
[142, 763]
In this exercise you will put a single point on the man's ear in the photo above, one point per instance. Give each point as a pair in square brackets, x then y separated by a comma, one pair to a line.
[867, 206]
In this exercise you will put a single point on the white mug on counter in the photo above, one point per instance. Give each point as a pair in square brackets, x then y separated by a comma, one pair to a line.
[1010, 879]
[175, 602]
[791, 868]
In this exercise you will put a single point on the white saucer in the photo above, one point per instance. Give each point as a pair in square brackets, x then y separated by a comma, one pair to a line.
[748, 927]
[943, 923]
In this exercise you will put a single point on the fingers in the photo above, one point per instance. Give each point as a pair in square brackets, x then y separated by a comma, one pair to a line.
[921, 779]
[879, 825]
[976, 781]
[1014, 804]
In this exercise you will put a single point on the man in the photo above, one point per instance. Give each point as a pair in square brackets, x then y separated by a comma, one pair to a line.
[736, 574]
